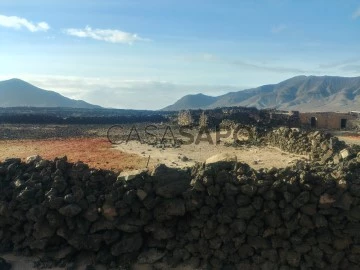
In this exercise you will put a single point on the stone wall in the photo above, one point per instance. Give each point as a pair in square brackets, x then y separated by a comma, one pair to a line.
[325, 120]
[222, 215]
[319, 146]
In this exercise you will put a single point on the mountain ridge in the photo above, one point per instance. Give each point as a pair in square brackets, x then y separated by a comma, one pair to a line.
[303, 93]
[18, 93]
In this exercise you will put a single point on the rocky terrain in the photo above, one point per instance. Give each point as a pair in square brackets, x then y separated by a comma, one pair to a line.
[41, 131]
[302, 93]
[221, 214]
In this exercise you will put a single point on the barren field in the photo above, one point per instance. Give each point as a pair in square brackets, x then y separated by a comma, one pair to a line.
[186, 155]
[350, 139]
[97, 152]
[88, 143]
[100, 153]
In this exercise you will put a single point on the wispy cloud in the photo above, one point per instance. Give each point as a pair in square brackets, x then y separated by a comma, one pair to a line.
[108, 35]
[340, 63]
[356, 14]
[275, 69]
[18, 23]
[248, 65]
[278, 28]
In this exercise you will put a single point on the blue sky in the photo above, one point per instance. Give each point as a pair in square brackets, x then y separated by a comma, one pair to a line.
[147, 54]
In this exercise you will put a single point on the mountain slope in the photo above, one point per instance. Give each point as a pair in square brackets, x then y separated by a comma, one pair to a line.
[193, 102]
[304, 93]
[18, 93]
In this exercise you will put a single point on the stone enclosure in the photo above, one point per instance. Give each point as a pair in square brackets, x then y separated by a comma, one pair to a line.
[221, 215]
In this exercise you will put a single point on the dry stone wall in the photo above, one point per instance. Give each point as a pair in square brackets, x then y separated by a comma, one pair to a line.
[223, 215]
[319, 146]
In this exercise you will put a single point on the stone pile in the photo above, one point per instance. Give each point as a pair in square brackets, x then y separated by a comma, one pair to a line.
[318, 145]
[221, 215]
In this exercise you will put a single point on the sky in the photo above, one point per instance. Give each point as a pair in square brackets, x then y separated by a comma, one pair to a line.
[146, 54]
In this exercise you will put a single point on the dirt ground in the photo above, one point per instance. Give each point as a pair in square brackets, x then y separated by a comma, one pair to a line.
[186, 155]
[350, 139]
[97, 152]
[88, 143]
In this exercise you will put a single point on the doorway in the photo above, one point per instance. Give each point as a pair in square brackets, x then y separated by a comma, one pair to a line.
[343, 123]
[313, 121]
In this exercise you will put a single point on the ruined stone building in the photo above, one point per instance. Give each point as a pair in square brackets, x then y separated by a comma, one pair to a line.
[185, 118]
[327, 120]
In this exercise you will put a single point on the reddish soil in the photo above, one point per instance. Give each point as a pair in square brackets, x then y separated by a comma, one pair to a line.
[355, 137]
[96, 152]
[350, 139]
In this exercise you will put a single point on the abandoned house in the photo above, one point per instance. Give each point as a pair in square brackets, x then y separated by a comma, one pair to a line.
[327, 120]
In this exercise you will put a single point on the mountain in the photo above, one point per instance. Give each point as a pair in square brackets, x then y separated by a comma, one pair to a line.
[193, 102]
[18, 93]
[303, 93]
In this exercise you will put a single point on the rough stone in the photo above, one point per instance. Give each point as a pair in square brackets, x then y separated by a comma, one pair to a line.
[33, 159]
[222, 157]
[129, 243]
[150, 256]
[170, 182]
[70, 210]
[169, 208]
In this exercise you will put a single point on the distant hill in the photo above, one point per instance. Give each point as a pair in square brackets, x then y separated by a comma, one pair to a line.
[303, 93]
[193, 102]
[18, 93]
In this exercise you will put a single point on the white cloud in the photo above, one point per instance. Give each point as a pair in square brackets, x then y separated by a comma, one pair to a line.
[279, 28]
[18, 23]
[356, 14]
[108, 35]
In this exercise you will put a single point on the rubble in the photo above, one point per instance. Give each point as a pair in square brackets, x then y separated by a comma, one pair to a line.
[319, 146]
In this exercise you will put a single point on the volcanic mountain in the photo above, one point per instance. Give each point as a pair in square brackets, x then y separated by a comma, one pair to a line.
[303, 93]
[18, 93]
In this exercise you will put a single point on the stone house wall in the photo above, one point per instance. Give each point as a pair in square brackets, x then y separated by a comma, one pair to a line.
[325, 120]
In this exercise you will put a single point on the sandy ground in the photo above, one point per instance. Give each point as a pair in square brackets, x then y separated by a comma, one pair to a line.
[257, 157]
[100, 153]
[350, 139]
